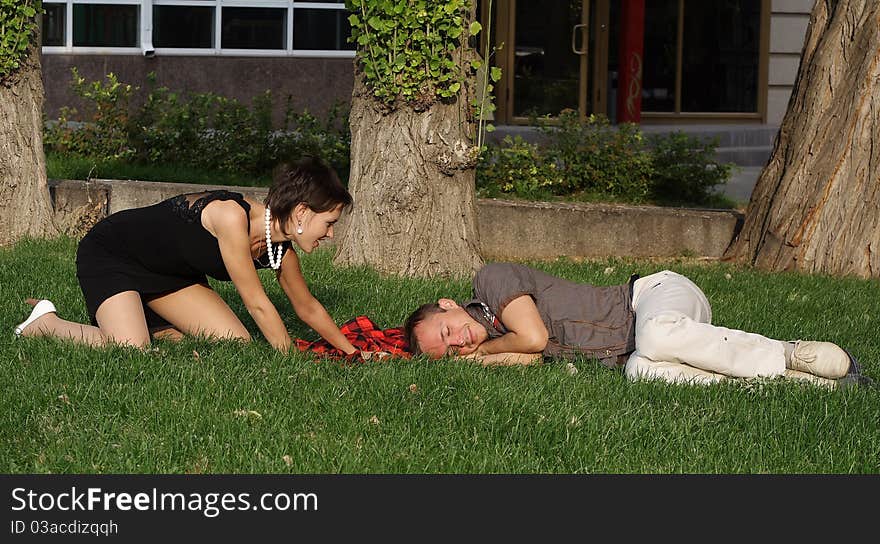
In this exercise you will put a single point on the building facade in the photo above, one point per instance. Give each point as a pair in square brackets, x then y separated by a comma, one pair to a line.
[704, 61]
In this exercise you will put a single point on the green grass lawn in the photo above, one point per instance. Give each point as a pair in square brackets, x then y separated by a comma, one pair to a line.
[225, 407]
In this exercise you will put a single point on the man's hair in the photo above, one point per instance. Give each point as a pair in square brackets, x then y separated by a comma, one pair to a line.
[409, 329]
[309, 181]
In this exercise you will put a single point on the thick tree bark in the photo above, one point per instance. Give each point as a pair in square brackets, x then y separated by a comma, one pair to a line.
[25, 204]
[412, 180]
[816, 205]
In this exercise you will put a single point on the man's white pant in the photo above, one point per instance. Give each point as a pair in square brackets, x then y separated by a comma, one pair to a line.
[676, 342]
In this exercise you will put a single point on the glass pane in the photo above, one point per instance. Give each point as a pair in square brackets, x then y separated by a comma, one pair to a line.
[546, 70]
[720, 61]
[53, 24]
[658, 70]
[183, 26]
[326, 29]
[105, 25]
[253, 28]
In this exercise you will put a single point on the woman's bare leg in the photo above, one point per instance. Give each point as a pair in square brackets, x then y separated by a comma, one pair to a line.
[52, 325]
[199, 310]
[120, 320]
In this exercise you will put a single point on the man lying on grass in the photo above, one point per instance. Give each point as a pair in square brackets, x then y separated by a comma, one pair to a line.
[656, 327]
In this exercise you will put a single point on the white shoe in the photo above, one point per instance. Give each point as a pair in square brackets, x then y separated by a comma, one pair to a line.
[822, 359]
[41, 308]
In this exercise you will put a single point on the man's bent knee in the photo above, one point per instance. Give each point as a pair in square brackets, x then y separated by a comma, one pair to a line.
[655, 336]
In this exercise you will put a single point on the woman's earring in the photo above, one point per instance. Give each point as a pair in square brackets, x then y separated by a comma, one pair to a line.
[299, 228]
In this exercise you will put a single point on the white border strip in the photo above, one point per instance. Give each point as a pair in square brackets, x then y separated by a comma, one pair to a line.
[145, 26]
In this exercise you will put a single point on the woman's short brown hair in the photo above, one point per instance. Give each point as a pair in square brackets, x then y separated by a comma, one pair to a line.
[310, 181]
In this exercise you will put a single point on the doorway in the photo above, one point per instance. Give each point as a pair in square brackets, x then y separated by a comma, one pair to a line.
[553, 55]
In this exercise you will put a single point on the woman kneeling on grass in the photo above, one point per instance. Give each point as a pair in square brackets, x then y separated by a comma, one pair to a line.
[144, 271]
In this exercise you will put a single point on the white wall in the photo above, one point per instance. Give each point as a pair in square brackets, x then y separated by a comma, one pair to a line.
[788, 26]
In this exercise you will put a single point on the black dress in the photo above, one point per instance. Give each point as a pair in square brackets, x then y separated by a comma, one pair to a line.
[153, 250]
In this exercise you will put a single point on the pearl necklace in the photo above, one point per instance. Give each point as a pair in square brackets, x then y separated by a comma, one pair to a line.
[274, 260]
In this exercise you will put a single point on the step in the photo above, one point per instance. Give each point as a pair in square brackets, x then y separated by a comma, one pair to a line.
[744, 156]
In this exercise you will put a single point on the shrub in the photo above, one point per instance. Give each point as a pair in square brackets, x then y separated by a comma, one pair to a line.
[201, 130]
[305, 134]
[517, 168]
[590, 157]
[205, 130]
[685, 169]
[593, 155]
[107, 134]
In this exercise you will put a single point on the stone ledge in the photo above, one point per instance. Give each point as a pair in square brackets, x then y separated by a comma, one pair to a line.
[508, 229]
[601, 230]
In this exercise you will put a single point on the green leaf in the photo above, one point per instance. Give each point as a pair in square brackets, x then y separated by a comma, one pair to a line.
[454, 87]
[495, 73]
[376, 23]
[475, 28]
[475, 64]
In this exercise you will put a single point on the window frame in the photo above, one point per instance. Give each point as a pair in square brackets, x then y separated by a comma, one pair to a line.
[698, 116]
[145, 30]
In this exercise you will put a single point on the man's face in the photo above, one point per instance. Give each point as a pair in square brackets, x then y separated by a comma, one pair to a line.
[453, 332]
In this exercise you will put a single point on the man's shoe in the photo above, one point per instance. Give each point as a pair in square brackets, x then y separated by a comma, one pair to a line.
[809, 378]
[822, 359]
[41, 308]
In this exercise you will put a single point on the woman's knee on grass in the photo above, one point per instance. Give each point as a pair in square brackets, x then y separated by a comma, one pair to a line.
[122, 321]
[197, 310]
[241, 335]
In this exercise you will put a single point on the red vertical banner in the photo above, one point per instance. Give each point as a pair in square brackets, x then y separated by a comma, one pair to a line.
[632, 44]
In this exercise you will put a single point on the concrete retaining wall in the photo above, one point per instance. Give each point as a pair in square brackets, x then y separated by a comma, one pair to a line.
[508, 229]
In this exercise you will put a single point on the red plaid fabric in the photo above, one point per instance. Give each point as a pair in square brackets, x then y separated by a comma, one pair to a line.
[365, 336]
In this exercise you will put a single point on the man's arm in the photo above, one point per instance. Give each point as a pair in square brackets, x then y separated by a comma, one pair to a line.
[527, 333]
[506, 359]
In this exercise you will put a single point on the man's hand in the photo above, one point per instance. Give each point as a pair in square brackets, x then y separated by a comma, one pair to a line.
[527, 332]
[504, 359]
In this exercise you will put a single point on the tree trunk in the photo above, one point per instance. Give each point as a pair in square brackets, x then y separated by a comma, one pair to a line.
[25, 205]
[412, 180]
[816, 205]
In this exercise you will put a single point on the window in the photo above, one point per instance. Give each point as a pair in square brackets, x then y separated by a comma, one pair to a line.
[105, 25]
[53, 24]
[192, 27]
[720, 56]
[712, 48]
[183, 26]
[253, 28]
[326, 29]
